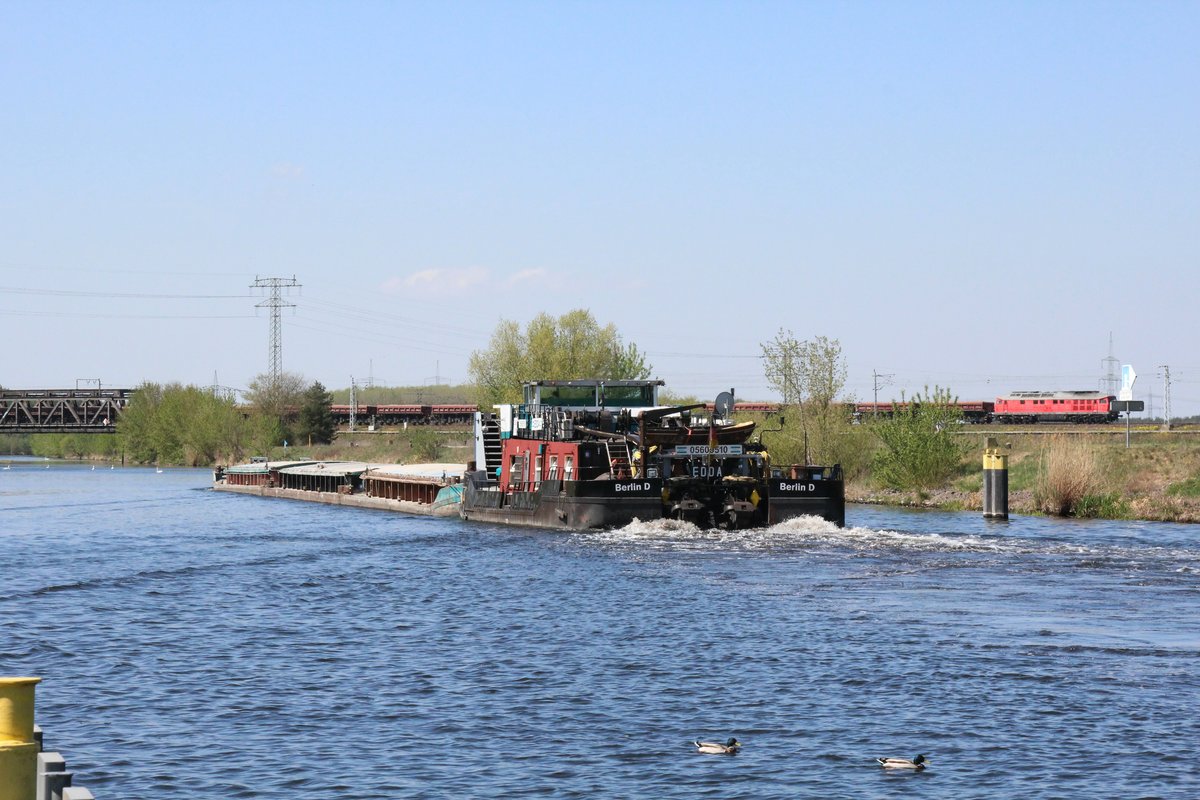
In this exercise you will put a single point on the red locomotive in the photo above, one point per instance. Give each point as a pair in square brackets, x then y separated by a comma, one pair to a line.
[1070, 406]
[1020, 408]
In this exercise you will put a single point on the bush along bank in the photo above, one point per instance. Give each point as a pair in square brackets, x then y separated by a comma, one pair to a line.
[1066, 474]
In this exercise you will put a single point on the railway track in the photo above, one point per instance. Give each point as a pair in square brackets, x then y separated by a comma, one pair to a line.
[1052, 429]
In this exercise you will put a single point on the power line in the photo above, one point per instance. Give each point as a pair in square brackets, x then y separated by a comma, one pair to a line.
[134, 295]
[1167, 400]
[887, 381]
[275, 302]
[1111, 366]
[81, 315]
[383, 318]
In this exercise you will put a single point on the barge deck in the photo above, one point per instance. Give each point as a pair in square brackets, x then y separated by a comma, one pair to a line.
[422, 489]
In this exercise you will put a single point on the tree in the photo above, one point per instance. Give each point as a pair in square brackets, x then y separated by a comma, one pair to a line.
[279, 400]
[177, 424]
[919, 450]
[571, 347]
[809, 375]
[316, 424]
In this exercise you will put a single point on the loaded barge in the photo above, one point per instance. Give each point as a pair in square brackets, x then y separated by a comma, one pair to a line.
[426, 489]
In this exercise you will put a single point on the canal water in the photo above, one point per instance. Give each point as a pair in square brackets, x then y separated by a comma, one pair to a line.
[195, 644]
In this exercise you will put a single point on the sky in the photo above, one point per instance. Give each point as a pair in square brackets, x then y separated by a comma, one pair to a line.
[979, 196]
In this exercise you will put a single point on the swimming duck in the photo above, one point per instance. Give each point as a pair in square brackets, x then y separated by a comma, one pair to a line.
[716, 748]
[902, 763]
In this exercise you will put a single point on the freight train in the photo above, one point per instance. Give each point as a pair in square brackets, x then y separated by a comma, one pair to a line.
[397, 414]
[1021, 408]
[1016, 408]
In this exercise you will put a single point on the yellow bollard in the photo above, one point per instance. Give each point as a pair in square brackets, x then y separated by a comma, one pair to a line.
[995, 481]
[18, 750]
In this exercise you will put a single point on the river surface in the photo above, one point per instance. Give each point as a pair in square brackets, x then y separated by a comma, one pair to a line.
[196, 644]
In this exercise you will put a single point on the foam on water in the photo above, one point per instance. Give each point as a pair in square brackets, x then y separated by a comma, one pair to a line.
[432, 645]
[800, 533]
[815, 533]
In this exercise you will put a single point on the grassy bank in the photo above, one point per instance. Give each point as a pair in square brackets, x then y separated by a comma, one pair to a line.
[1156, 478]
[414, 445]
[1066, 473]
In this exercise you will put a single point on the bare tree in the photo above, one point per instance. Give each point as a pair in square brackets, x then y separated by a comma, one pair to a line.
[804, 372]
[809, 375]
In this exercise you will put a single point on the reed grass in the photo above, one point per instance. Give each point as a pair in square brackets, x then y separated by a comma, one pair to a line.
[1069, 473]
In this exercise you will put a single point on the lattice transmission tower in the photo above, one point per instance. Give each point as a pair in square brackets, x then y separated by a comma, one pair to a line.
[275, 302]
[1112, 369]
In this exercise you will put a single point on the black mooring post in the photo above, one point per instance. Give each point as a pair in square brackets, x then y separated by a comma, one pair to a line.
[995, 481]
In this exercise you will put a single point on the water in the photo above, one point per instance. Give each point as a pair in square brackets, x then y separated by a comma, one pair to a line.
[205, 645]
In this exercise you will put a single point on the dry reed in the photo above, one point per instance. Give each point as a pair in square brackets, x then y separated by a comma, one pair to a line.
[1069, 472]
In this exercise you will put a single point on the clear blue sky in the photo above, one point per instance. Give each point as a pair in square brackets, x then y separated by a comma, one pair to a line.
[966, 194]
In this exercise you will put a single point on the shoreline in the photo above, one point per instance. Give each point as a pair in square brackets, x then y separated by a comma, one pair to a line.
[1147, 508]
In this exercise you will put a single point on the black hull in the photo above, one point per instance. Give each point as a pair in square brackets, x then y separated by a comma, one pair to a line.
[564, 505]
[788, 498]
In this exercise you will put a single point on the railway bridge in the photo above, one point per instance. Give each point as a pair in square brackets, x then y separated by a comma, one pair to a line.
[61, 410]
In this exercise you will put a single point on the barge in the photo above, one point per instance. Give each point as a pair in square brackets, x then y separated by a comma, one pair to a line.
[600, 454]
[424, 489]
[578, 455]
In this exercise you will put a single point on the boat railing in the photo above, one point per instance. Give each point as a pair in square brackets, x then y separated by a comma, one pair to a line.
[543, 423]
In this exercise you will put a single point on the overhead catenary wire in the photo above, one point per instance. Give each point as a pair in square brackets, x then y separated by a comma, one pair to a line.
[91, 315]
[120, 295]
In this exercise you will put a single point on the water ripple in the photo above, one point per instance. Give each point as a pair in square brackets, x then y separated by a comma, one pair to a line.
[212, 646]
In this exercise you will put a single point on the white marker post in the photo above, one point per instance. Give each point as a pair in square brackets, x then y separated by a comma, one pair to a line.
[1125, 394]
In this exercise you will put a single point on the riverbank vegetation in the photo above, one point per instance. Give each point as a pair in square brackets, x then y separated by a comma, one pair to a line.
[1066, 473]
[922, 456]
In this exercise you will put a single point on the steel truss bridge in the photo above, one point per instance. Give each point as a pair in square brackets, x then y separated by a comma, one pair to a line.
[61, 410]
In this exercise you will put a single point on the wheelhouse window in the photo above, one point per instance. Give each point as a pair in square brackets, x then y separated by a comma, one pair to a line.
[569, 396]
[628, 396]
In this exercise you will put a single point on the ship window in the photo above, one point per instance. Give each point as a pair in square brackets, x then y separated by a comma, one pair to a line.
[553, 468]
[628, 396]
[568, 467]
[569, 396]
[537, 469]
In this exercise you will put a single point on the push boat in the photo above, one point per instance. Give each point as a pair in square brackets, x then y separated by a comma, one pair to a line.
[600, 454]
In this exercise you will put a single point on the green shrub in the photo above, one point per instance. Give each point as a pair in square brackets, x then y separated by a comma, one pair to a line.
[426, 444]
[828, 439]
[1188, 488]
[1102, 506]
[919, 450]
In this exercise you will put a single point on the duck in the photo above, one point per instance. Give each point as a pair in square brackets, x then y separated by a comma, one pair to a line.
[902, 763]
[729, 748]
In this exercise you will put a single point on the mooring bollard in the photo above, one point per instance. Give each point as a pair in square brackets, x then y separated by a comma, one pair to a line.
[995, 481]
[18, 748]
